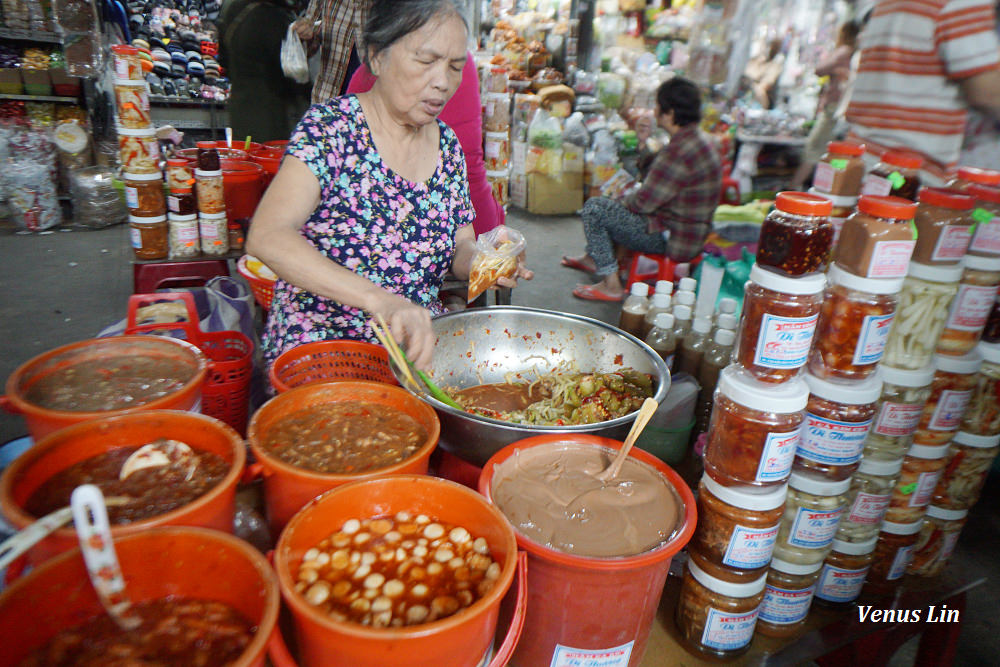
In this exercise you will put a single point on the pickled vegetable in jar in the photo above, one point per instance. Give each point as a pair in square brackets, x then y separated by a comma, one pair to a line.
[921, 314]
[968, 463]
[936, 542]
[844, 571]
[126, 62]
[211, 196]
[951, 392]
[149, 236]
[787, 597]
[971, 306]
[182, 202]
[717, 617]
[843, 207]
[893, 553]
[180, 174]
[868, 499]
[213, 228]
[982, 416]
[877, 240]
[838, 416]
[968, 176]
[853, 326]
[796, 237]
[922, 468]
[840, 171]
[777, 324]
[736, 528]
[898, 412]
[182, 235]
[754, 429]
[813, 511]
[208, 156]
[132, 102]
[144, 194]
[138, 151]
[986, 238]
[897, 174]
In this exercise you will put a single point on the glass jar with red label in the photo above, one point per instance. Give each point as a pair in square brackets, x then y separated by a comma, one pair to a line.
[897, 174]
[944, 226]
[969, 460]
[717, 617]
[868, 499]
[893, 553]
[898, 411]
[853, 325]
[922, 468]
[838, 416]
[813, 510]
[777, 325]
[796, 237]
[842, 208]
[787, 597]
[921, 314]
[754, 429]
[982, 416]
[938, 536]
[844, 571]
[840, 171]
[986, 216]
[208, 156]
[877, 240]
[977, 292]
[951, 392]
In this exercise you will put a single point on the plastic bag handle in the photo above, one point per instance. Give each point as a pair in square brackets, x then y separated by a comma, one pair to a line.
[191, 327]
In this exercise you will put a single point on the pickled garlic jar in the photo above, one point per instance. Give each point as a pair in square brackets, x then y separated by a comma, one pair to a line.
[838, 416]
[921, 314]
[754, 429]
[787, 597]
[853, 326]
[868, 499]
[717, 617]
[877, 240]
[138, 151]
[968, 176]
[126, 62]
[936, 542]
[736, 528]
[813, 511]
[180, 174]
[922, 468]
[182, 235]
[844, 571]
[944, 226]
[951, 392]
[840, 170]
[132, 102]
[213, 228]
[968, 463]
[208, 187]
[896, 174]
[904, 393]
[986, 238]
[796, 237]
[971, 306]
[842, 208]
[777, 325]
[893, 553]
[144, 194]
[982, 416]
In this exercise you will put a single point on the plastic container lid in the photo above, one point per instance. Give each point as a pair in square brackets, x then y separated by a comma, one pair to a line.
[684, 298]
[682, 312]
[687, 284]
[725, 337]
[848, 393]
[663, 321]
[212, 216]
[728, 321]
[205, 144]
[985, 193]
[855, 548]
[130, 82]
[937, 274]
[639, 289]
[182, 191]
[838, 201]
[896, 208]
[743, 388]
[978, 263]
[143, 177]
[663, 287]
[839, 276]
[945, 514]
[979, 176]
[177, 162]
[139, 220]
[906, 378]
[880, 468]
[130, 132]
[126, 50]
[966, 364]
[702, 325]
[747, 497]
[904, 159]
[902, 528]
[661, 300]
[928, 452]
[175, 217]
[990, 352]
[802, 203]
[794, 568]
[946, 198]
[973, 440]
[818, 486]
[208, 174]
[812, 284]
[727, 305]
[846, 148]
[726, 588]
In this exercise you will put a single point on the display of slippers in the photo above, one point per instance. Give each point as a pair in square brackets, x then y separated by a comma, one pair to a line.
[592, 293]
[574, 263]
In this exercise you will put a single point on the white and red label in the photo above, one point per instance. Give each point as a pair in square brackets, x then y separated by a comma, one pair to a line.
[871, 341]
[952, 243]
[839, 585]
[567, 656]
[987, 237]
[890, 259]
[971, 307]
[832, 442]
[784, 342]
[782, 606]
[814, 529]
[900, 562]
[823, 177]
[926, 483]
[949, 410]
[868, 509]
[750, 548]
[876, 185]
[777, 456]
[897, 419]
[726, 631]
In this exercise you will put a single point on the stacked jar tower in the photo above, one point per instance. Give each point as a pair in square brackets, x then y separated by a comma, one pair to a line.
[496, 136]
[213, 228]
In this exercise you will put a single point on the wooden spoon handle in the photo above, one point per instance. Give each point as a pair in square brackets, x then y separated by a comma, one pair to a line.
[646, 413]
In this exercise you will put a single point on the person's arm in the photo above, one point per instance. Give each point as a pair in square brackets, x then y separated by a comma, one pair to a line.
[982, 91]
[839, 59]
[660, 185]
[305, 27]
[967, 43]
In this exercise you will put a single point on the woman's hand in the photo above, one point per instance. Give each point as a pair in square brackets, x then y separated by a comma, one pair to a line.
[522, 272]
[411, 326]
[304, 28]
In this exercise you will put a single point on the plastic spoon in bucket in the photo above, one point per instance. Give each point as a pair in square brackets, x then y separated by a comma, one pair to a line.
[160, 452]
[645, 413]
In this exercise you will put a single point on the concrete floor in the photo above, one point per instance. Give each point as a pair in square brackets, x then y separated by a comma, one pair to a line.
[66, 286]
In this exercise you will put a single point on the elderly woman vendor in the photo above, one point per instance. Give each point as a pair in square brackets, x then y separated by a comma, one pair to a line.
[370, 207]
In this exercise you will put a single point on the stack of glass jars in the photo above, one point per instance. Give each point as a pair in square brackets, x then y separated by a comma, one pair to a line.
[212, 224]
[838, 177]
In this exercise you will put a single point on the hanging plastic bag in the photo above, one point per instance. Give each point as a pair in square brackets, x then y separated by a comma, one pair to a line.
[294, 62]
[496, 257]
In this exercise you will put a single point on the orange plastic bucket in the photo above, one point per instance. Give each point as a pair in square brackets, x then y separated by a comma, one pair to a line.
[242, 186]
[600, 609]
[269, 159]
[462, 640]
[330, 361]
[60, 450]
[191, 154]
[239, 144]
[42, 421]
[276, 143]
[288, 488]
[157, 562]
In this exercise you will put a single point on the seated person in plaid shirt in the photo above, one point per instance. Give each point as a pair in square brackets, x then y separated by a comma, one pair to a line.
[670, 213]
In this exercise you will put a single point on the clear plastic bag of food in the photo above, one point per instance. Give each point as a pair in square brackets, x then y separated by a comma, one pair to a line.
[496, 257]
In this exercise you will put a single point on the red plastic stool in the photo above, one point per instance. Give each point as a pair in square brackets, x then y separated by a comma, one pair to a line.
[147, 278]
[730, 187]
[664, 269]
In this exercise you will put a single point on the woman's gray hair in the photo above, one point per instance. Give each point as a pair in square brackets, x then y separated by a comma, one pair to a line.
[391, 20]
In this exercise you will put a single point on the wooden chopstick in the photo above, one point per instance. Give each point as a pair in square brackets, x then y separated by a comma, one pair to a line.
[384, 335]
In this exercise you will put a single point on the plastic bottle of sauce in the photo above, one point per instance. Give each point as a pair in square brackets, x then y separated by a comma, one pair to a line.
[682, 325]
[663, 287]
[660, 303]
[718, 355]
[877, 241]
[693, 346]
[797, 236]
[840, 170]
[661, 338]
[986, 238]
[684, 298]
[896, 174]
[968, 176]
[634, 309]
[944, 226]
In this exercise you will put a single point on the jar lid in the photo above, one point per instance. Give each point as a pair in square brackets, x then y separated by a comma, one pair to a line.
[205, 144]
[989, 351]
[126, 50]
[968, 363]
[747, 497]
[182, 191]
[855, 548]
[726, 588]
[741, 387]
[812, 284]
[879, 467]
[838, 201]
[946, 198]
[639, 289]
[979, 176]
[928, 452]
[496, 135]
[727, 321]
[904, 159]
[139, 220]
[920, 377]
[178, 162]
[130, 132]
[157, 176]
[663, 321]
[896, 208]
[843, 277]
[973, 440]
[794, 568]
[802, 203]
[211, 216]
[846, 148]
[208, 174]
[818, 486]
[849, 393]
[945, 514]
[725, 337]
[977, 263]
[135, 83]
[937, 274]
[902, 528]
[175, 217]
[985, 193]
[661, 300]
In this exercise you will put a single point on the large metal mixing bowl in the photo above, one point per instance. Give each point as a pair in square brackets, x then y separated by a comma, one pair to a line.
[484, 345]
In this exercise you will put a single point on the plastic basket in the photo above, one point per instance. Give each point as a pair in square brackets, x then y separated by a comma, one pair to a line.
[262, 288]
[331, 361]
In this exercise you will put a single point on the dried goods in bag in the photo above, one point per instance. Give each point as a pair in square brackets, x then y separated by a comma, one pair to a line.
[496, 257]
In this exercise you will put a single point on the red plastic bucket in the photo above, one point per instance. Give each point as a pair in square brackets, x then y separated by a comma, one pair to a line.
[60, 450]
[461, 640]
[242, 185]
[276, 143]
[191, 154]
[288, 488]
[270, 160]
[600, 609]
[157, 562]
[239, 144]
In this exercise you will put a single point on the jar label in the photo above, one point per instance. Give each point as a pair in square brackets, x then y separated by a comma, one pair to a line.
[839, 585]
[838, 224]
[567, 656]
[750, 548]
[890, 259]
[987, 237]
[726, 631]
[948, 543]
[950, 407]
[209, 230]
[814, 529]
[871, 341]
[831, 441]
[875, 185]
[897, 419]
[492, 148]
[777, 455]
[971, 307]
[174, 204]
[121, 68]
[926, 482]
[784, 342]
[187, 234]
[782, 606]
[136, 238]
[823, 177]
[868, 508]
[952, 242]
[131, 197]
[900, 562]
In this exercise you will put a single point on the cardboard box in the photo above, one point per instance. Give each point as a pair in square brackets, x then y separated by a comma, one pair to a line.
[519, 190]
[555, 196]
[36, 81]
[10, 82]
[64, 84]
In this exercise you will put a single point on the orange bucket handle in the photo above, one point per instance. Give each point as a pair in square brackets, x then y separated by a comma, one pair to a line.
[190, 327]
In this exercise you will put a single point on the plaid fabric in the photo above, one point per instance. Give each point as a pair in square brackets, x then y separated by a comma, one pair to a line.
[680, 192]
[343, 23]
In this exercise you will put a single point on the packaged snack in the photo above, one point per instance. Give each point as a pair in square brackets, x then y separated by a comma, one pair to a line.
[496, 257]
